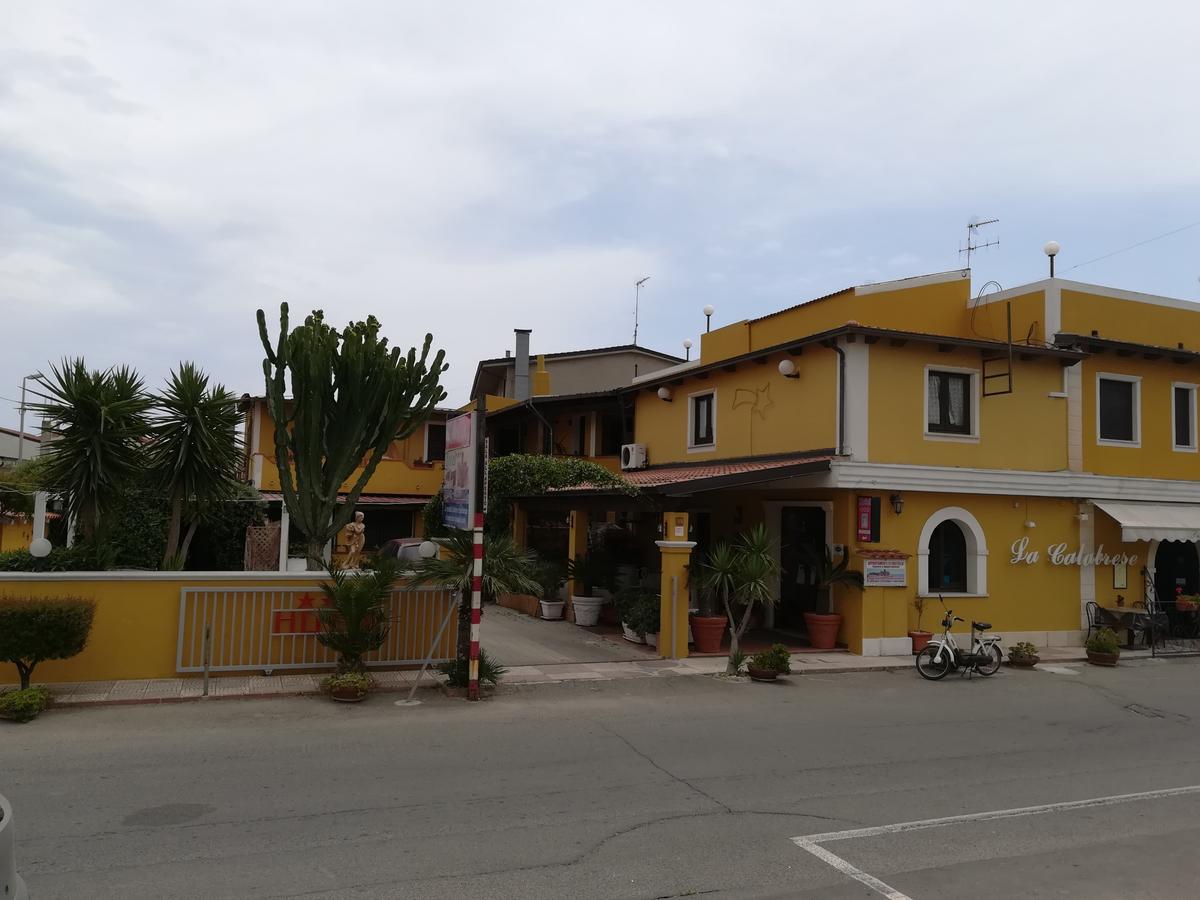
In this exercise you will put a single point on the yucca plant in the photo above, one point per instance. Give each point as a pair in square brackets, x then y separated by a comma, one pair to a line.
[355, 621]
[743, 574]
[97, 424]
[826, 574]
[195, 453]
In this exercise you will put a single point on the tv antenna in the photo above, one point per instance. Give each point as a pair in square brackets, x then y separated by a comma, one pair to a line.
[637, 297]
[973, 227]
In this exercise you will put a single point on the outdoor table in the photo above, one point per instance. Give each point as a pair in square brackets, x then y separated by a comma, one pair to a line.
[1125, 617]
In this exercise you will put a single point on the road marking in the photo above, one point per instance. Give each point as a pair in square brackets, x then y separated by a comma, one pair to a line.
[1058, 670]
[811, 842]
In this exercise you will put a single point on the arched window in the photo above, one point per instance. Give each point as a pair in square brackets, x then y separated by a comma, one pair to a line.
[948, 559]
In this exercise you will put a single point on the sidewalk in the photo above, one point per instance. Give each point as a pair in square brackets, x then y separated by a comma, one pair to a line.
[174, 690]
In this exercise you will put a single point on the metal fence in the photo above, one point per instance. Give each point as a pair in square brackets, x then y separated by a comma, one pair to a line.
[268, 628]
[1171, 630]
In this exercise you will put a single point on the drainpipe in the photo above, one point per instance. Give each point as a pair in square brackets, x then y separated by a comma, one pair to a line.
[841, 430]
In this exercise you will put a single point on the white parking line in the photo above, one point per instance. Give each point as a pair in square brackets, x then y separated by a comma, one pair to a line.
[811, 842]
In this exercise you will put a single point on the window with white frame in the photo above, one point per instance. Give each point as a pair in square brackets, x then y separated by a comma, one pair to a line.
[952, 555]
[702, 420]
[1118, 409]
[949, 402]
[1183, 417]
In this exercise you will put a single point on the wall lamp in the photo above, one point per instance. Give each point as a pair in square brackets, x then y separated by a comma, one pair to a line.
[787, 369]
[897, 501]
[664, 393]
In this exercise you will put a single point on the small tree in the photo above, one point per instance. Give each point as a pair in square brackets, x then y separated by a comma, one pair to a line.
[351, 396]
[34, 630]
[743, 574]
[355, 621]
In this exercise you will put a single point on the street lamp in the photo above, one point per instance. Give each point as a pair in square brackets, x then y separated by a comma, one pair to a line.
[687, 348]
[1051, 250]
[708, 311]
[21, 427]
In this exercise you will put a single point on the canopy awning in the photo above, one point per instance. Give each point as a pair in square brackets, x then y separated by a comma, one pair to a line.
[1154, 521]
[363, 499]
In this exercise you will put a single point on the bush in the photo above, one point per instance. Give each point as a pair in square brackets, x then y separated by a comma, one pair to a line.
[35, 630]
[639, 607]
[1022, 649]
[1103, 641]
[777, 659]
[457, 672]
[357, 681]
[80, 558]
[25, 704]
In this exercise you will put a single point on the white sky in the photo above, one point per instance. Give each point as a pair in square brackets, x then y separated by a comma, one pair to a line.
[167, 168]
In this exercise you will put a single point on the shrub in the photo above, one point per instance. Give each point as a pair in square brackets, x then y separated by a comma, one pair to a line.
[457, 672]
[777, 659]
[639, 607]
[25, 704]
[1103, 641]
[1022, 649]
[80, 558]
[355, 621]
[357, 681]
[36, 630]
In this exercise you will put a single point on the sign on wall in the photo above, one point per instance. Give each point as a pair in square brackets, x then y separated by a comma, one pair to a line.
[868, 520]
[885, 572]
[458, 482]
[1059, 555]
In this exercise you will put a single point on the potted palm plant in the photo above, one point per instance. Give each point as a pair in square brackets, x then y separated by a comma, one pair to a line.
[354, 623]
[718, 577]
[769, 664]
[551, 576]
[919, 637]
[823, 625]
[587, 573]
[743, 574]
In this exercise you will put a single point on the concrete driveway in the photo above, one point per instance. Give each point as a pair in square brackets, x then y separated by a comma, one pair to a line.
[519, 640]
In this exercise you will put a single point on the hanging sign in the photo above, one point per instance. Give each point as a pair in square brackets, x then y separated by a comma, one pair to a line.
[868, 519]
[885, 572]
[458, 483]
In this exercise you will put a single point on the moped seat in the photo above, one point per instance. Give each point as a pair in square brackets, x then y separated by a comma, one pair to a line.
[981, 626]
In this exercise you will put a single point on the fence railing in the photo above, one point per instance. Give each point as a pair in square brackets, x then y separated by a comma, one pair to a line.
[266, 628]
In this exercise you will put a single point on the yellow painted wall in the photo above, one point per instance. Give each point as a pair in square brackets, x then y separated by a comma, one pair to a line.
[988, 321]
[758, 411]
[1130, 320]
[15, 535]
[1108, 532]
[1023, 430]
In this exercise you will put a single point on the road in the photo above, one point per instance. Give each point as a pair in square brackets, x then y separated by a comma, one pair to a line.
[641, 789]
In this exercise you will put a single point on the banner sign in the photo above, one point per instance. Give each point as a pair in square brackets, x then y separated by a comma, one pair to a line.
[458, 484]
[885, 572]
[868, 520]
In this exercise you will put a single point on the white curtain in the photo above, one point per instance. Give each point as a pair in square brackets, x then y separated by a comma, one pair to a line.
[957, 400]
[935, 404]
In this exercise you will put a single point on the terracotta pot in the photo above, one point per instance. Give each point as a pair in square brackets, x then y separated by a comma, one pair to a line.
[761, 674]
[708, 632]
[1023, 662]
[822, 630]
[919, 640]
[1102, 659]
[348, 695]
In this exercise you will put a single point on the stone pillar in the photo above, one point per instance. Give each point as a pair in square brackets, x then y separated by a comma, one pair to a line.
[675, 552]
[577, 545]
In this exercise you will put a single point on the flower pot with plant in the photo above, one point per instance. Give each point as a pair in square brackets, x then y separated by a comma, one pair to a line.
[708, 625]
[769, 664]
[744, 574]
[639, 608]
[1023, 655]
[587, 573]
[824, 624]
[1102, 648]
[551, 575]
[349, 687]
[919, 637]
[354, 620]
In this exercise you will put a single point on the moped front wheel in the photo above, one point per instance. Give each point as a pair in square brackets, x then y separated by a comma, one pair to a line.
[928, 666]
[992, 666]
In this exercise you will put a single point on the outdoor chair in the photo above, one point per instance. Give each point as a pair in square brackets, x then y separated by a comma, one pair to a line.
[1094, 621]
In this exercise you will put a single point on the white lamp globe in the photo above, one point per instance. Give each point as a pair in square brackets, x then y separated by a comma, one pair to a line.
[664, 393]
[687, 345]
[40, 548]
[708, 310]
[427, 550]
[1051, 248]
[787, 368]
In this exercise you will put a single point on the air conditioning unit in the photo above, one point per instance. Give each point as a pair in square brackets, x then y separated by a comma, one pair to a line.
[633, 456]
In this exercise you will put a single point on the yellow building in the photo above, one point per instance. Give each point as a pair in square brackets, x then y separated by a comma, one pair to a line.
[1021, 455]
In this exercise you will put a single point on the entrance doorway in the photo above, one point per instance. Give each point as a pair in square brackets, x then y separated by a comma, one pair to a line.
[1176, 565]
[801, 532]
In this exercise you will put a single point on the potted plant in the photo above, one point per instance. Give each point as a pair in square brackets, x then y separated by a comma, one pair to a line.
[769, 664]
[348, 687]
[708, 625]
[744, 574]
[551, 576]
[919, 637]
[297, 560]
[1023, 655]
[354, 620]
[823, 625]
[587, 573]
[638, 606]
[1103, 648]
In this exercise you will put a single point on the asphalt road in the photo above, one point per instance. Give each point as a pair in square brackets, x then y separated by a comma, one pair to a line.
[640, 789]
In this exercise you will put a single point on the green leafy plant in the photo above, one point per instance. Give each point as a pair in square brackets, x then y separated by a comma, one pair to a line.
[25, 704]
[826, 574]
[589, 572]
[737, 662]
[1022, 649]
[1104, 641]
[551, 575]
[744, 575]
[457, 671]
[530, 475]
[351, 396]
[80, 558]
[34, 630]
[775, 659]
[639, 605]
[355, 622]
[359, 682]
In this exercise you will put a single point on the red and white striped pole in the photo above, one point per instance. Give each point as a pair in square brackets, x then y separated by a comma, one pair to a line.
[476, 609]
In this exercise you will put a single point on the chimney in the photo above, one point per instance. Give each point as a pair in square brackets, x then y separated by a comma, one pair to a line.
[521, 387]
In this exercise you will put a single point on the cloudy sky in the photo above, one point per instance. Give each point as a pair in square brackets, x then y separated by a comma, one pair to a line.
[464, 168]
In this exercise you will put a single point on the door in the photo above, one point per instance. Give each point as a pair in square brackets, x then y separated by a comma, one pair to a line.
[1176, 566]
[801, 531]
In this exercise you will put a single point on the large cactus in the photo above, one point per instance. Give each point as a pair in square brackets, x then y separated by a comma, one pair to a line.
[351, 397]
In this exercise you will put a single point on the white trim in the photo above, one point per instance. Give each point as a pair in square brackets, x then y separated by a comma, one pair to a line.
[669, 370]
[1052, 308]
[142, 575]
[256, 454]
[857, 399]
[902, 284]
[893, 646]
[691, 432]
[1136, 381]
[1059, 284]
[675, 545]
[285, 529]
[976, 402]
[593, 427]
[1087, 573]
[1191, 447]
[977, 552]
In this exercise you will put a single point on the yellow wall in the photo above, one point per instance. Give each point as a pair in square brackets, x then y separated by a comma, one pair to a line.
[989, 321]
[1108, 532]
[1023, 430]
[1130, 320]
[758, 411]
[15, 535]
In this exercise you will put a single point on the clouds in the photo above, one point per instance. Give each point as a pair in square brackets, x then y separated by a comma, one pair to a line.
[469, 168]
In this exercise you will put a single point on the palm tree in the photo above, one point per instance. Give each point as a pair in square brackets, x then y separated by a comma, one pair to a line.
[97, 425]
[355, 621]
[743, 575]
[195, 453]
[507, 569]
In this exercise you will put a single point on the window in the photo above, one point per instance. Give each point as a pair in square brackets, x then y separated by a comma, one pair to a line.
[1117, 402]
[1183, 416]
[610, 435]
[948, 559]
[703, 420]
[435, 441]
[948, 403]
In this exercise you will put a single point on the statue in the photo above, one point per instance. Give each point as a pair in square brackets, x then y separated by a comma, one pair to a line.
[356, 539]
